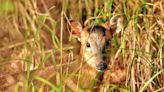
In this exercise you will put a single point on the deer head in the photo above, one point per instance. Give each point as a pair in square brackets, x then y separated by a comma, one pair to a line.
[95, 40]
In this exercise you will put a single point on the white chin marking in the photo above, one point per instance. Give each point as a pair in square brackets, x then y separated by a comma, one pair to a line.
[100, 70]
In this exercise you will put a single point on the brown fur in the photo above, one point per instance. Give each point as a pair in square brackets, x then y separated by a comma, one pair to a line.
[93, 43]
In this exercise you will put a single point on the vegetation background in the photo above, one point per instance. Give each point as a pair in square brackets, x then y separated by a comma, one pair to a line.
[37, 49]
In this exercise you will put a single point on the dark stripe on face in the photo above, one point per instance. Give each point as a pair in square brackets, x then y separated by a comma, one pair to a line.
[97, 27]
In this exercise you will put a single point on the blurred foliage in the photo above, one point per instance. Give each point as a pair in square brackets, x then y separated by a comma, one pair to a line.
[6, 6]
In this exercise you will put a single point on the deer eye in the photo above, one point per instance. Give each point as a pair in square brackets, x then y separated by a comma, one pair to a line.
[107, 43]
[88, 45]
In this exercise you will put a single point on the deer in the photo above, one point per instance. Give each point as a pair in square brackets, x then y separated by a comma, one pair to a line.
[95, 42]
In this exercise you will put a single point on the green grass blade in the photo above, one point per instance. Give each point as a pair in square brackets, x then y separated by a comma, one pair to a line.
[150, 80]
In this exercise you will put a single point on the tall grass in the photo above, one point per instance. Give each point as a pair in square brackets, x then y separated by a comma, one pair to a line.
[36, 49]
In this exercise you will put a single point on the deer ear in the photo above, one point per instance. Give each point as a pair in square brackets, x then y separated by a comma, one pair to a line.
[116, 24]
[76, 28]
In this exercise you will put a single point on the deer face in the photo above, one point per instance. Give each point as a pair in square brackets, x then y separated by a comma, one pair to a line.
[95, 41]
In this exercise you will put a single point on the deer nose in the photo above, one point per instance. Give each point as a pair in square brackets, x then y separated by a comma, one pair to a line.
[102, 66]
